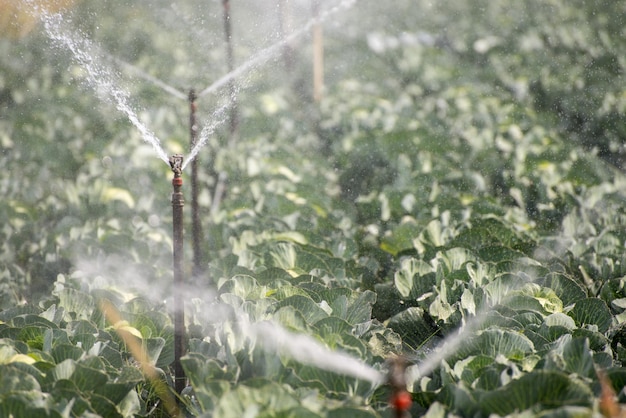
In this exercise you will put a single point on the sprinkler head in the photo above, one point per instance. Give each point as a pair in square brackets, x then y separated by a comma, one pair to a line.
[176, 162]
[400, 399]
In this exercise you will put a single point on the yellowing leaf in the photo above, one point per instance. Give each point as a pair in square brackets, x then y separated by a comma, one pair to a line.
[123, 326]
[21, 358]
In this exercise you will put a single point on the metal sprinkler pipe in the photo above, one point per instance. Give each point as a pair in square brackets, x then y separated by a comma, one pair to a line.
[176, 163]
[400, 399]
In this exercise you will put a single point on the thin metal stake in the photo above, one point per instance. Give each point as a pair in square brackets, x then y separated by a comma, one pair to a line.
[176, 162]
[196, 226]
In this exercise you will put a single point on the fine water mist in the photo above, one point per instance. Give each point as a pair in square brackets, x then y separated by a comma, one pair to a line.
[128, 280]
[307, 350]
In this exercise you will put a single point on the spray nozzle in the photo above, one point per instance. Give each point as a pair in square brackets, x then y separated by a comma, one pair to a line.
[396, 378]
[176, 162]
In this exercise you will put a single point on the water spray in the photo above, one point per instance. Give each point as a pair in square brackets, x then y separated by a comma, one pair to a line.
[176, 162]
[99, 75]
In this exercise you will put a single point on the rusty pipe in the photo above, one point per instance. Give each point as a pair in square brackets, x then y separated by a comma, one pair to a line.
[176, 163]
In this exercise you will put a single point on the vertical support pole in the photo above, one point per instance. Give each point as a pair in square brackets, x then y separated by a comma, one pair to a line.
[176, 162]
[318, 53]
[318, 79]
[230, 61]
[196, 227]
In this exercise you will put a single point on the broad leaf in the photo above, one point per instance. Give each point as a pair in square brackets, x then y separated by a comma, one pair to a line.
[412, 326]
[592, 311]
[494, 342]
[310, 311]
[13, 379]
[414, 278]
[545, 389]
